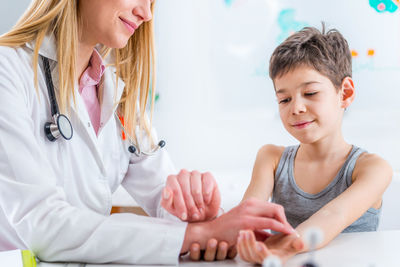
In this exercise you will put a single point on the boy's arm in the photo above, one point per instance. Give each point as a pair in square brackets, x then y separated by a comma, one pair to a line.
[371, 176]
[262, 180]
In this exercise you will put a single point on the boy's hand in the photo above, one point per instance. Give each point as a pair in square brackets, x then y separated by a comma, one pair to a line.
[281, 245]
[191, 196]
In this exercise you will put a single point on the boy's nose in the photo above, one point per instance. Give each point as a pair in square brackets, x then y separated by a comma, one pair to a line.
[298, 107]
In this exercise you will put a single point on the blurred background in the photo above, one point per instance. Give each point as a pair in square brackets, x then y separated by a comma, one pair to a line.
[216, 104]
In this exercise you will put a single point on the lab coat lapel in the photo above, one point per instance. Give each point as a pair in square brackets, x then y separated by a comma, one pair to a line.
[85, 124]
[111, 94]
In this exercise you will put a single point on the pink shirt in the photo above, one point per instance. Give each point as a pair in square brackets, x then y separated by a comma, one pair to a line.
[88, 86]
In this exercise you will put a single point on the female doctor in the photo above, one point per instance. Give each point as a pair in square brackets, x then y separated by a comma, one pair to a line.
[73, 128]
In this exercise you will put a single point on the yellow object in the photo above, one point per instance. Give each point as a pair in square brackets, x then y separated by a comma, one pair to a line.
[28, 258]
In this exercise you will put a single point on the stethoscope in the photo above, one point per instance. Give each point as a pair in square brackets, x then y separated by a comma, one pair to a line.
[61, 125]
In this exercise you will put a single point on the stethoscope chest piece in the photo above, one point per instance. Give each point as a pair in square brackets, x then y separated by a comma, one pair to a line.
[62, 127]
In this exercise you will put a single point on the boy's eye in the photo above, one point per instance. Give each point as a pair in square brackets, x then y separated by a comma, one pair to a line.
[283, 101]
[310, 93]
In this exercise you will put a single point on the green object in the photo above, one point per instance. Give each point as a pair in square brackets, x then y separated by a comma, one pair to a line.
[28, 258]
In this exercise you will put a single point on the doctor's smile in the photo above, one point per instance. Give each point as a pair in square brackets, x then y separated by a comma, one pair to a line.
[131, 26]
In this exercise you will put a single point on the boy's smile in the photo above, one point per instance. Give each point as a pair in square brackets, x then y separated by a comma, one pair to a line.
[310, 106]
[301, 124]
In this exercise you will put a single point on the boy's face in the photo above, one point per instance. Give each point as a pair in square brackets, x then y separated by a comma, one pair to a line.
[310, 107]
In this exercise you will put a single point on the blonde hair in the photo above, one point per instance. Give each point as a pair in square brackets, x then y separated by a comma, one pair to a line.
[135, 63]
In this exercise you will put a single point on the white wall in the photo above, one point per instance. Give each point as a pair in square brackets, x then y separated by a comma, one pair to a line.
[10, 11]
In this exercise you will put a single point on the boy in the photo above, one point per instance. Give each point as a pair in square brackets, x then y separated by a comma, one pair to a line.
[323, 182]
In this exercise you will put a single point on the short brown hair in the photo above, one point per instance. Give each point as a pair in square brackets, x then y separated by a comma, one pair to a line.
[327, 53]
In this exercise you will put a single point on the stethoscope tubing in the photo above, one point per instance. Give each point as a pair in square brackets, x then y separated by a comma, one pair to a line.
[53, 130]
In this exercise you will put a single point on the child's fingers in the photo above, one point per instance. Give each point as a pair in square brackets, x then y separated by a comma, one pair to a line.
[262, 252]
[298, 244]
[249, 246]
[241, 247]
[258, 249]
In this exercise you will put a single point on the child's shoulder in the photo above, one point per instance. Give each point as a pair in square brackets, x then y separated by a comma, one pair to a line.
[271, 152]
[369, 163]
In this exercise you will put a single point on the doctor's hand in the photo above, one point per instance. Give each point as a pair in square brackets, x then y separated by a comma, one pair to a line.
[191, 196]
[252, 214]
[214, 251]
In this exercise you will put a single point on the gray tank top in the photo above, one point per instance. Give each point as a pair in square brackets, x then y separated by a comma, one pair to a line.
[299, 205]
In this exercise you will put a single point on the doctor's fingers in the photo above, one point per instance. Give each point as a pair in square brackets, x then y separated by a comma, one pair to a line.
[178, 207]
[266, 209]
[197, 189]
[211, 250]
[222, 252]
[208, 184]
[257, 223]
[167, 199]
[232, 252]
[184, 180]
[195, 253]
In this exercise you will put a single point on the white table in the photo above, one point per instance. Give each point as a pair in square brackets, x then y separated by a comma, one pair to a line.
[373, 249]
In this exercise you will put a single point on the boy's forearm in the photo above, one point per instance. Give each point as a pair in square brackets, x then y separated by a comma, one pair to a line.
[329, 222]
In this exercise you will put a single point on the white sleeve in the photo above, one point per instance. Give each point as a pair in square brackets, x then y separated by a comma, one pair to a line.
[145, 179]
[37, 209]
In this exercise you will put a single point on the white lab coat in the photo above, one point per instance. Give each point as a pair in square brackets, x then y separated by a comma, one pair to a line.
[55, 197]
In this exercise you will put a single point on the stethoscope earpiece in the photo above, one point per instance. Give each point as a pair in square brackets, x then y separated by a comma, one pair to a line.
[134, 148]
[161, 144]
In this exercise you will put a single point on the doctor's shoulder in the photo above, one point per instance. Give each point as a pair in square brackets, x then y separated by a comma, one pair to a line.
[17, 57]
[16, 61]
[16, 69]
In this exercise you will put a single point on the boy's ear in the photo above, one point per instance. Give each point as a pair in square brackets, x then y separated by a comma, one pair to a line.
[347, 91]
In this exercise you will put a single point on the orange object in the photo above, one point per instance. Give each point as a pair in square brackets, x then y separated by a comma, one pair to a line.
[371, 52]
[354, 53]
[121, 119]
[397, 2]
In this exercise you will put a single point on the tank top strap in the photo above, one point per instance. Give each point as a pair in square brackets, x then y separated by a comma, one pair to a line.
[348, 166]
[286, 161]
